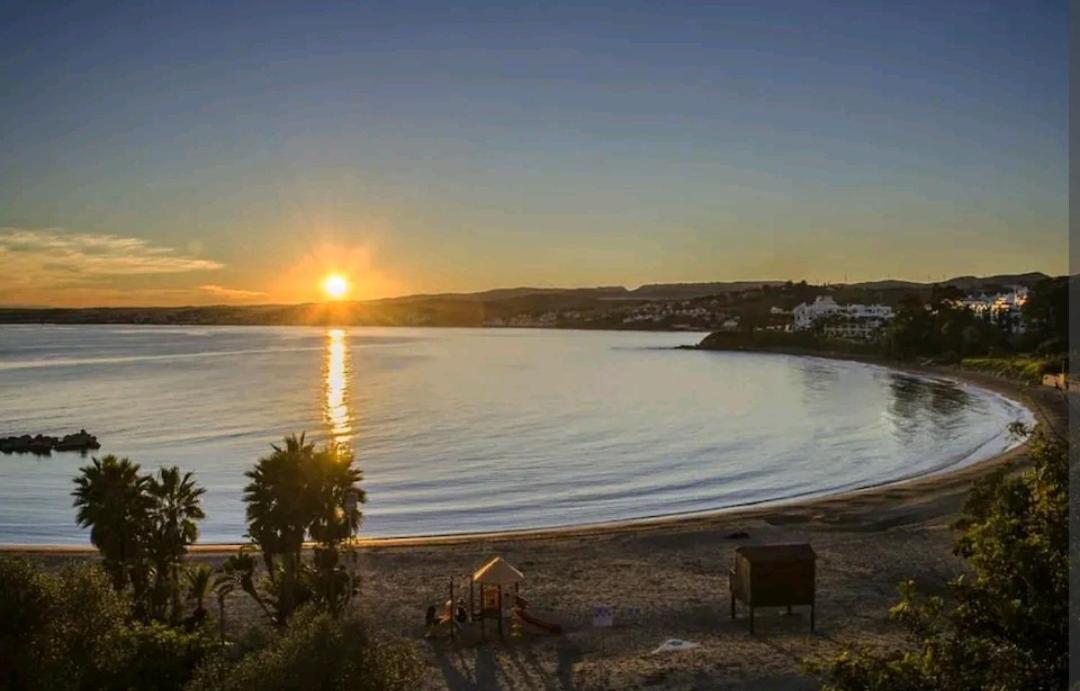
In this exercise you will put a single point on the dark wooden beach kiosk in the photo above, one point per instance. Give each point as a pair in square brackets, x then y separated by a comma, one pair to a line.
[773, 576]
[498, 586]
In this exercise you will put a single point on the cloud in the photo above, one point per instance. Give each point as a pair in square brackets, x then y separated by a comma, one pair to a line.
[34, 256]
[232, 293]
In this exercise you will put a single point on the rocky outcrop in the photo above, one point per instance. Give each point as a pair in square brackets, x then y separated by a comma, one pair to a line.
[43, 445]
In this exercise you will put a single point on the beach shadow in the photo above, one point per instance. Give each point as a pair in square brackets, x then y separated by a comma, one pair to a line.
[569, 655]
[456, 672]
[454, 678]
[486, 668]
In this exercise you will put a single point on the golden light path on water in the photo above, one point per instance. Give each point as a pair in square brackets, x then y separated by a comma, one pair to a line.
[336, 383]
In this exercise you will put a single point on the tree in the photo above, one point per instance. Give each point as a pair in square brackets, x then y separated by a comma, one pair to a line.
[200, 582]
[295, 492]
[940, 329]
[111, 499]
[1003, 625]
[59, 630]
[1047, 311]
[911, 331]
[176, 506]
[317, 651]
[142, 525]
[224, 585]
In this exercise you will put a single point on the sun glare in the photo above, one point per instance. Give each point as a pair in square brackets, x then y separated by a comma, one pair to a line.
[335, 286]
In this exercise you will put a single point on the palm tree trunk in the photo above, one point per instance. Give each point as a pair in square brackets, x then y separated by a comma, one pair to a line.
[221, 619]
[176, 606]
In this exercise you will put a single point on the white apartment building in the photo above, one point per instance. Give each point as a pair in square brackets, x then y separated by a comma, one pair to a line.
[1002, 308]
[843, 321]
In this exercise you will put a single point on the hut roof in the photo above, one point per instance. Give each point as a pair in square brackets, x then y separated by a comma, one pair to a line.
[763, 553]
[497, 572]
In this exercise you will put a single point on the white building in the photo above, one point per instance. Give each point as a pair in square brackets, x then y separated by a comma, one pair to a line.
[843, 321]
[1002, 308]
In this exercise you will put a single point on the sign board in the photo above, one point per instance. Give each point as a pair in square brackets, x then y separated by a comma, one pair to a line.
[603, 615]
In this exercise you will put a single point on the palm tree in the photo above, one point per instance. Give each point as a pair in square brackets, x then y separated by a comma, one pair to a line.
[336, 495]
[279, 510]
[225, 583]
[177, 506]
[200, 581]
[296, 491]
[111, 499]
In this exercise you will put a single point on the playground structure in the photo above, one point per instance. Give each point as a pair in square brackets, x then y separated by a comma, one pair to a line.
[494, 601]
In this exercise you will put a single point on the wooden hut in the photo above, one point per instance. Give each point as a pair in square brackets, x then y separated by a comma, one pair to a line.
[773, 576]
[497, 583]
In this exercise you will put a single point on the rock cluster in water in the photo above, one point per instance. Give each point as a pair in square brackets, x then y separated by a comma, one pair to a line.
[43, 445]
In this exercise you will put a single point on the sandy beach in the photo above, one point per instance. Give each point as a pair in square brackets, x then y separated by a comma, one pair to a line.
[667, 578]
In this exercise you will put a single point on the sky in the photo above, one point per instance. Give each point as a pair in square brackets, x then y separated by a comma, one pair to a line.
[156, 153]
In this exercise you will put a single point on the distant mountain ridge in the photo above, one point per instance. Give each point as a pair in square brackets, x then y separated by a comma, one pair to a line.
[960, 282]
[685, 291]
[505, 306]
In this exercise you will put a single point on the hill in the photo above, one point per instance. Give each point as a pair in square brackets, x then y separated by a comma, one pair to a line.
[650, 306]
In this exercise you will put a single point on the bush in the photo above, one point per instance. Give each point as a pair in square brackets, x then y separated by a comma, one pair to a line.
[162, 657]
[1026, 369]
[73, 630]
[316, 651]
[1004, 624]
[59, 631]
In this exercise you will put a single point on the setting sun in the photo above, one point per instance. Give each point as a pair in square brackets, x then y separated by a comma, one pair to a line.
[335, 286]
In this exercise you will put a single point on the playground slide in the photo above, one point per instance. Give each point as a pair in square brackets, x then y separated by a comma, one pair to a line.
[538, 623]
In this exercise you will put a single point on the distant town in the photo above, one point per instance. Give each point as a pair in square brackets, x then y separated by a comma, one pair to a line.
[856, 312]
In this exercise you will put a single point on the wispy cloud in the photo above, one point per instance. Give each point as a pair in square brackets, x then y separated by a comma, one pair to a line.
[232, 293]
[53, 255]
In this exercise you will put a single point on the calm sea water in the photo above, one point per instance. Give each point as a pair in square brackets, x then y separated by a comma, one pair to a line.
[474, 429]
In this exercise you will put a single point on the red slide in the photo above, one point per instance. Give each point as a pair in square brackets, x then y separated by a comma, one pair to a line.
[529, 619]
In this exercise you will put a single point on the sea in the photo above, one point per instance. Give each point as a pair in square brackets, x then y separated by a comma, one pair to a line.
[474, 430]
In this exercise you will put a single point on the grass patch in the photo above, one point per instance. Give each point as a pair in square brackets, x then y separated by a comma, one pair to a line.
[1024, 368]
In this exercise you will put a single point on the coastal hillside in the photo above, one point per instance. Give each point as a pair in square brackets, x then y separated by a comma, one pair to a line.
[663, 306]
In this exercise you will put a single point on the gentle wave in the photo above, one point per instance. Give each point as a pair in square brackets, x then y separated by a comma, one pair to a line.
[473, 430]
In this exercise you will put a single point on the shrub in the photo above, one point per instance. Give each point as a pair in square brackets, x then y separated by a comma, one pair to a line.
[58, 631]
[158, 656]
[316, 651]
[1003, 624]
[1026, 369]
[73, 630]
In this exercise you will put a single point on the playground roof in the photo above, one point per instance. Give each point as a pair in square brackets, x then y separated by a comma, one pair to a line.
[497, 572]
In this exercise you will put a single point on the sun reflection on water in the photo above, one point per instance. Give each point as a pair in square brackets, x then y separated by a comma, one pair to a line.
[336, 408]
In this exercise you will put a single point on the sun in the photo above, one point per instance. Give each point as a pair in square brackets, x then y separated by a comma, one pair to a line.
[335, 286]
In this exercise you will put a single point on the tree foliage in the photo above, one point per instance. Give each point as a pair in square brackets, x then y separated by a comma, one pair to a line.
[143, 526]
[175, 509]
[316, 651]
[111, 498]
[295, 493]
[72, 629]
[1003, 623]
[1047, 311]
[941, 328]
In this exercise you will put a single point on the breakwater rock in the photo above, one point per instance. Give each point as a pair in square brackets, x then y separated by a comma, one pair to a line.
[43, 445]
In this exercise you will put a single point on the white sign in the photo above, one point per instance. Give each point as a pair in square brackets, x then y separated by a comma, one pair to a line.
[603, 615]
[673, 645]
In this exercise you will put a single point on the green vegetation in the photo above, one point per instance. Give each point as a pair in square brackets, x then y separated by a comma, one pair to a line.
[1003, 623]
[72, 629]
[143, 525]
[139, 619]
[783, 341]
[316, 651]
[1025, 368]
[940, 329]
[296, 493]
[928, 326]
